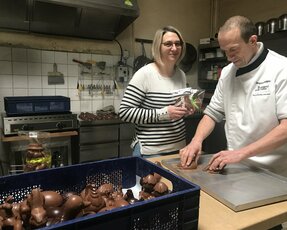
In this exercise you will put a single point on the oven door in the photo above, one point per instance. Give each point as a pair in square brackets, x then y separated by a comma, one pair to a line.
[59, 147]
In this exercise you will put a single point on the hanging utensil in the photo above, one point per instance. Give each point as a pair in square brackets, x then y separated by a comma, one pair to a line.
[85, 64]
[189, 58]
[55, 77]
[141, 60]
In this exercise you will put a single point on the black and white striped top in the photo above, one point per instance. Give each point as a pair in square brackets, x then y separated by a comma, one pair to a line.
[145, 104]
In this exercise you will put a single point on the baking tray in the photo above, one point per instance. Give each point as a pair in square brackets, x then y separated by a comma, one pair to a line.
[240, 186]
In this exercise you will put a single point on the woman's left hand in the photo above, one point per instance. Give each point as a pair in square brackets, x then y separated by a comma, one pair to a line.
[176, 112]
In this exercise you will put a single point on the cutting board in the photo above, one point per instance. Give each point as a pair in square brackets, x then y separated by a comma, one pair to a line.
[240, 186]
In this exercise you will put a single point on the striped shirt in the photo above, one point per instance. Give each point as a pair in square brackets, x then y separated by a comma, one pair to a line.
[145, 104]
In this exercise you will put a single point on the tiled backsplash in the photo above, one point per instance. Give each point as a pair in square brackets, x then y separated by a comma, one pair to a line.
[24, 72]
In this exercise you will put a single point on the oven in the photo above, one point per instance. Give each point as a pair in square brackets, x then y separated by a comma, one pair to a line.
[46, 114]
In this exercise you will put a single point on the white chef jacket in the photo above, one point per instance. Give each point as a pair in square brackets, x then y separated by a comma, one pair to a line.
[252, 99]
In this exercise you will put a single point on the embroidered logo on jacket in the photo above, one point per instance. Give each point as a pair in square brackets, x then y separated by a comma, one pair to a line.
[262, 88]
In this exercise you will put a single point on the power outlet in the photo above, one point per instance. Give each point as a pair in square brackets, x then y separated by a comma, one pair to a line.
[123, 73]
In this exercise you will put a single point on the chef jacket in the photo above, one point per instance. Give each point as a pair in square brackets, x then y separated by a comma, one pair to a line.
[252, 99]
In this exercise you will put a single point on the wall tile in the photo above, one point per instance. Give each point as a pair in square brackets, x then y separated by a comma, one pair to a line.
[85, 57]
[76, 106]
[63, 86]
[73, 70]
[5, 53]
[61, 57]
[19, 54]
[72, 82]
[61, 92]
[34, 69]
[21, 92]
[6, 93]
[97, 57]
[45, 84]
[86, 106]
[73, 94]
[34, 82]
[49, 92]
[5, 67]
[2, 107]
[27, 75]
[109, 60]
[48, 56]
[117, 105]
[6, 81]
[46, 68]
[20, 81]
[97, 105]
[72, 56]
[35, 92]
[20, 68]
[34, 55]
[62, 69]
[107, 102]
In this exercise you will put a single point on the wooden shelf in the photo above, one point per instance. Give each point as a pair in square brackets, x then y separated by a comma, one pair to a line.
[51, 135]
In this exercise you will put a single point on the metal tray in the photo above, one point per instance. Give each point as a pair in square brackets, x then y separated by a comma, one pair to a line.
[239, 187]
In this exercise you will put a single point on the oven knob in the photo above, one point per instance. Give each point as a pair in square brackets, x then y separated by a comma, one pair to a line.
[60, 125]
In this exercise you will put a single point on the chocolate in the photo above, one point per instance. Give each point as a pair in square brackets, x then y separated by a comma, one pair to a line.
[148, 182]
[105, 190]
[215, 171]
[129, 197]
[193, 165]
[52, 199]
[45, 208]
[37, 158]
[160, 189]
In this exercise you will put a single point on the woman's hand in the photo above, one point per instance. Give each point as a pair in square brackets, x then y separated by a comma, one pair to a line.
[176, 112]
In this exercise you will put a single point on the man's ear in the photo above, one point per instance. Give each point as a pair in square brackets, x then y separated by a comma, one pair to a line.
[253, 39]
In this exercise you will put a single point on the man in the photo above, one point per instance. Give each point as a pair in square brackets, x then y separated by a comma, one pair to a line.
[251, 96]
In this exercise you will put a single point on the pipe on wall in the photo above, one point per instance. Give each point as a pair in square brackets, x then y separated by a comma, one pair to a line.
[213, 18]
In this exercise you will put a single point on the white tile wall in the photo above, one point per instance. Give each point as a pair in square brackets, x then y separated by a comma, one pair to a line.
[24, 72]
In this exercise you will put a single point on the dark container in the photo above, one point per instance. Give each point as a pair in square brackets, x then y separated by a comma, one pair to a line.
[36, 105]
[177, 210]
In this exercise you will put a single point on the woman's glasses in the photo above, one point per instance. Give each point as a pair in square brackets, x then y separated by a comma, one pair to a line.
[169, 44]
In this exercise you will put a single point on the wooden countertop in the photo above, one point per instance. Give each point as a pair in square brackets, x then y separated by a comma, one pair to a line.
[51, 135]
[214, 215]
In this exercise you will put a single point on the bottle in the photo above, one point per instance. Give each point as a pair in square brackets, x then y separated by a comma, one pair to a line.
[57, 159]
[215, 72]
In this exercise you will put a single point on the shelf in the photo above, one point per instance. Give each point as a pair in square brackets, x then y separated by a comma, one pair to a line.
[215, 59]
[277, 35]
[211, 45]
[51, 135]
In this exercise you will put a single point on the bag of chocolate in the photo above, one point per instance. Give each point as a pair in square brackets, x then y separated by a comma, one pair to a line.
[189, 98]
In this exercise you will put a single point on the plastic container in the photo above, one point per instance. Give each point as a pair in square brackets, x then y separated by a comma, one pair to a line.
[36, 105]
[177, 210]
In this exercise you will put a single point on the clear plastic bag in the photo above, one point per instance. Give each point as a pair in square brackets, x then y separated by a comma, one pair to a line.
[37, 155]
[190, 98]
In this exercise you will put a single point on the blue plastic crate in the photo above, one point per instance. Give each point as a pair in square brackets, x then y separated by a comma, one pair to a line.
[177, 210]
[30, 105]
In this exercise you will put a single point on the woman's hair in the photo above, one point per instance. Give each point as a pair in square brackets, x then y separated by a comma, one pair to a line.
[157, 41]
[245, 25]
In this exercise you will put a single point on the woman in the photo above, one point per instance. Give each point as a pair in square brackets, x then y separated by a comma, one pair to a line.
[149, 100]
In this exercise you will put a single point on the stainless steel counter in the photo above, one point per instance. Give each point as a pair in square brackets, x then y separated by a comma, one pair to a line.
[239, 187]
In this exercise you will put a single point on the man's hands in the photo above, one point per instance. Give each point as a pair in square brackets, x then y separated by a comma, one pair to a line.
[222, 158]
[218, 161]
[190, 153]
